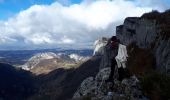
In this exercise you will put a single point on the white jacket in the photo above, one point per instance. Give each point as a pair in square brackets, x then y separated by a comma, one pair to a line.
[121, 58]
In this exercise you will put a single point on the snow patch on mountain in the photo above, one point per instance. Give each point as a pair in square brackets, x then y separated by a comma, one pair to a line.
[65, 57]
[36, 59]
[78, 58]
[40, 57]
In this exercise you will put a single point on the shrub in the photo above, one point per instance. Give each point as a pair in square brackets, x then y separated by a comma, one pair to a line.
[140, 61]
[162, 19]
[156, 86]
[151, 15]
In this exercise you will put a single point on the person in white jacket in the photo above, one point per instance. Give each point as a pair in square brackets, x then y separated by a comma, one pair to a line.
[121, 60]
[118, 59]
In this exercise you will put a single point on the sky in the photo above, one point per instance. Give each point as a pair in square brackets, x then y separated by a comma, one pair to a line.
[72, 24]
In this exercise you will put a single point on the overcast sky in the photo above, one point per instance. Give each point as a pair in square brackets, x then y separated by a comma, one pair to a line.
[39, 24]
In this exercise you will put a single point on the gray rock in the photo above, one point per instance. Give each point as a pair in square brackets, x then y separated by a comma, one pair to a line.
[99, 89]
[107, 57]
[103, 74]
[146, 34]
[99, 46]
[86, 87]
[133, 81]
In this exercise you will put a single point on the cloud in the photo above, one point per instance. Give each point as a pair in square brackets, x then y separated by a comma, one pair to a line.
[6, 39]
[76, 25]
[66, 40]
[154, 4]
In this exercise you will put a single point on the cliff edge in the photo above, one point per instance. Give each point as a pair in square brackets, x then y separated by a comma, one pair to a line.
[148, 45]
[151, 31]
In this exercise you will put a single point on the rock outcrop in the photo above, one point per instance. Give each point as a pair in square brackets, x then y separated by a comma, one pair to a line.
[148, 34]
[98, 89]
[151, 31]
[92, 86]
[99, 46]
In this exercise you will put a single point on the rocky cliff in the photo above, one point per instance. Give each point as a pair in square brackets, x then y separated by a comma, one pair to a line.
[99, 46]
[148, 44]
[96, 88]
[150, 31]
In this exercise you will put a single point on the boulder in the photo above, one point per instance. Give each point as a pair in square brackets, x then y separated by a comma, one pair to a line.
[103, 74]
[85, 88]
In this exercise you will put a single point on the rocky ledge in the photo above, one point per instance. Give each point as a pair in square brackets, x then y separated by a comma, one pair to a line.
[98, 89]
[148, 44]
[152, 32]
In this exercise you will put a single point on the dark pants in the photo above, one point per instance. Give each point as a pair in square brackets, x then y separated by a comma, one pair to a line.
[123, 73]
[113, 64]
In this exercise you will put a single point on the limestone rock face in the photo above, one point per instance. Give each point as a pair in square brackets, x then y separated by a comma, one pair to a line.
[105, 62]
[99, 46]
[99, 89]
[86, 87]
[108, 55]
[103, 74]
[91, 84]
[141, 31]
[151, 34]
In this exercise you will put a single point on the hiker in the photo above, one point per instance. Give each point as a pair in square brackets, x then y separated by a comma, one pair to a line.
[119, 58]
[113, 44]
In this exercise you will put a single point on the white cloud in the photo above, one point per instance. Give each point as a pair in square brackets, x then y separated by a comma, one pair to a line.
[77, 25]
[66, 40]
[6, 40]
[154, 4]
[39, 38]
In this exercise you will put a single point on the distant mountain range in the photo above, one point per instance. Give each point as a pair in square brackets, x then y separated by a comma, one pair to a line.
[20, 57]
[43, 63]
